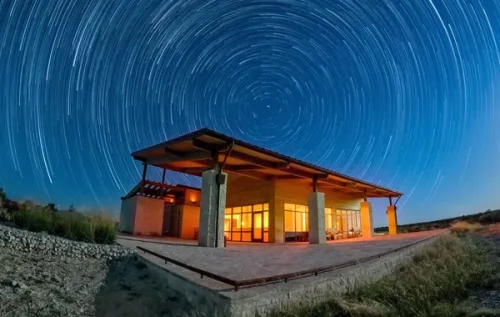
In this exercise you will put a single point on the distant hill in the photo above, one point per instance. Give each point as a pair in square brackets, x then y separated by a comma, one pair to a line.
[487, 217]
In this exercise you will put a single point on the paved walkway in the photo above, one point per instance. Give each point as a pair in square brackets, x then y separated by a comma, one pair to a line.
[241, 261]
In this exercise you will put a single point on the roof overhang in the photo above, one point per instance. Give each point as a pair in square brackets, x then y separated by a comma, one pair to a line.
[196, 152]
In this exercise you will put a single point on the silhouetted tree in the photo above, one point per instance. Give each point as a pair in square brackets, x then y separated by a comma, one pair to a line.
[3, 196]
[71, 208]
[50, 207]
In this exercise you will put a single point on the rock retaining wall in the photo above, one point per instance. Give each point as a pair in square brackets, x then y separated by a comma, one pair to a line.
[33, 242]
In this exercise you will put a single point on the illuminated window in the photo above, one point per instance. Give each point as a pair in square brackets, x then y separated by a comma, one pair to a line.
[257, 207]
[348, 224]
[227, 223]
[296, 222]
[247, 223]
[329, 219]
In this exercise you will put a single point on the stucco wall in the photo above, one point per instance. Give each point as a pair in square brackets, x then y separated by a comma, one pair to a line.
[190, 221]
[148, 216]
[127, 215]
[243, 191]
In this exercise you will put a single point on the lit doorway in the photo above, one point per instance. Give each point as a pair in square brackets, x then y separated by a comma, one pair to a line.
[257, 228]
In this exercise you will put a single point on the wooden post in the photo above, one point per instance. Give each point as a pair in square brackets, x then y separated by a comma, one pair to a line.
[315, 184]
[143, 181]
[215, 160]
[163, 182]
[390, 201]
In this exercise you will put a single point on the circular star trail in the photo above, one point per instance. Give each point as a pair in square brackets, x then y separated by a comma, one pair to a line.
[400, 92]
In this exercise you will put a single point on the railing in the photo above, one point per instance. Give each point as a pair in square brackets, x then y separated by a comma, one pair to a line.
[282, 277]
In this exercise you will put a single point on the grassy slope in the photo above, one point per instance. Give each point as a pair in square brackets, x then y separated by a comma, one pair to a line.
[435, 284]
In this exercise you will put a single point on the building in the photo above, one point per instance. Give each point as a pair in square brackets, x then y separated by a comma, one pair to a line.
[248, 194]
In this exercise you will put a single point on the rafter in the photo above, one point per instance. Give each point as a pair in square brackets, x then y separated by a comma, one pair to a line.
[174, 152]
[170, 158]
[205, 146]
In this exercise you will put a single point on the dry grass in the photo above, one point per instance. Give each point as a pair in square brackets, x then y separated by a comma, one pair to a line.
[464, 226]
[69, 225]
[431, 285]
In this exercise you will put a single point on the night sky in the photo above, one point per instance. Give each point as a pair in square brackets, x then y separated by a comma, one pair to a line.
[402, 93]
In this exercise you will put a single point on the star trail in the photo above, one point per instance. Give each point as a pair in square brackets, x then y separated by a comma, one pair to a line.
[401, 93]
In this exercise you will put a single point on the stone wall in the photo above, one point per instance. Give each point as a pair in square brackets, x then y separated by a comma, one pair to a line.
[33, 242]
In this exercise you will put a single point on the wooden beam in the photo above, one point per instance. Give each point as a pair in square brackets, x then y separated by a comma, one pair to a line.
[253, 174]
[169, 158]
[174, 152]
[195, 170]
[143, 180]
[274, 165]
[209, 147]
[287, 177]
[163, 181]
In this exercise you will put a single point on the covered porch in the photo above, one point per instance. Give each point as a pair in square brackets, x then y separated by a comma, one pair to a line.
[252, 194]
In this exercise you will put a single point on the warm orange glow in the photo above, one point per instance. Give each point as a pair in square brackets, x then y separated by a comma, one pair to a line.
[247, 223]
[192, 197]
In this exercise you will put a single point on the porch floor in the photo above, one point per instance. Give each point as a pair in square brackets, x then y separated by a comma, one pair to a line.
[242, 260]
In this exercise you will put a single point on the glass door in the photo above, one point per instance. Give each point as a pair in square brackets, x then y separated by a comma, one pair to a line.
[257, 228]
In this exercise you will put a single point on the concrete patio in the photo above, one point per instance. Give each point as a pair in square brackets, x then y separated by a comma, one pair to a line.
[240, 261]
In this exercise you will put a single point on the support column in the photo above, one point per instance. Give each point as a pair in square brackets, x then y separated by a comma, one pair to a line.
[392, 219]
[212, 206]
[366, 219]
[316, 202]
[276, 215]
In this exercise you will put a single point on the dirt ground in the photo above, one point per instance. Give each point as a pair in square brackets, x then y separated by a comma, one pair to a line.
[40, 285]
[130, 289]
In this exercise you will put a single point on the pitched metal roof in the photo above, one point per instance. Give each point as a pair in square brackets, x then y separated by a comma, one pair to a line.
[242, 151]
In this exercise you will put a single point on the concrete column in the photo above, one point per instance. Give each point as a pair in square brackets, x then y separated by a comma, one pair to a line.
[276, 215]
[392, 219]
[366, 219]
[213, 199]
[316, 202]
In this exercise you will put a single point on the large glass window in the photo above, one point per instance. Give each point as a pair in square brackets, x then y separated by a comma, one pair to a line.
[329, 220]
[296, 222]
[239, 223]
[348, 224]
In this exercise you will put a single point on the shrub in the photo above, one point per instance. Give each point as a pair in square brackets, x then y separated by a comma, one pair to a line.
[4, 215]
[34, 220]
[69, 225]
[461, 227]
[490, 217]
[105, 230]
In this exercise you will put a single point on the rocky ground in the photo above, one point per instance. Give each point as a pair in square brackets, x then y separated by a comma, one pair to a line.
[33, 284]
[43, 275]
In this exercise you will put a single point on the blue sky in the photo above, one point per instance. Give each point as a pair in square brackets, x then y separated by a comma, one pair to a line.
[400, 93]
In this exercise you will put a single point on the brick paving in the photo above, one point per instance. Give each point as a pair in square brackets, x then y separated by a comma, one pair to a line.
[241, 261]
